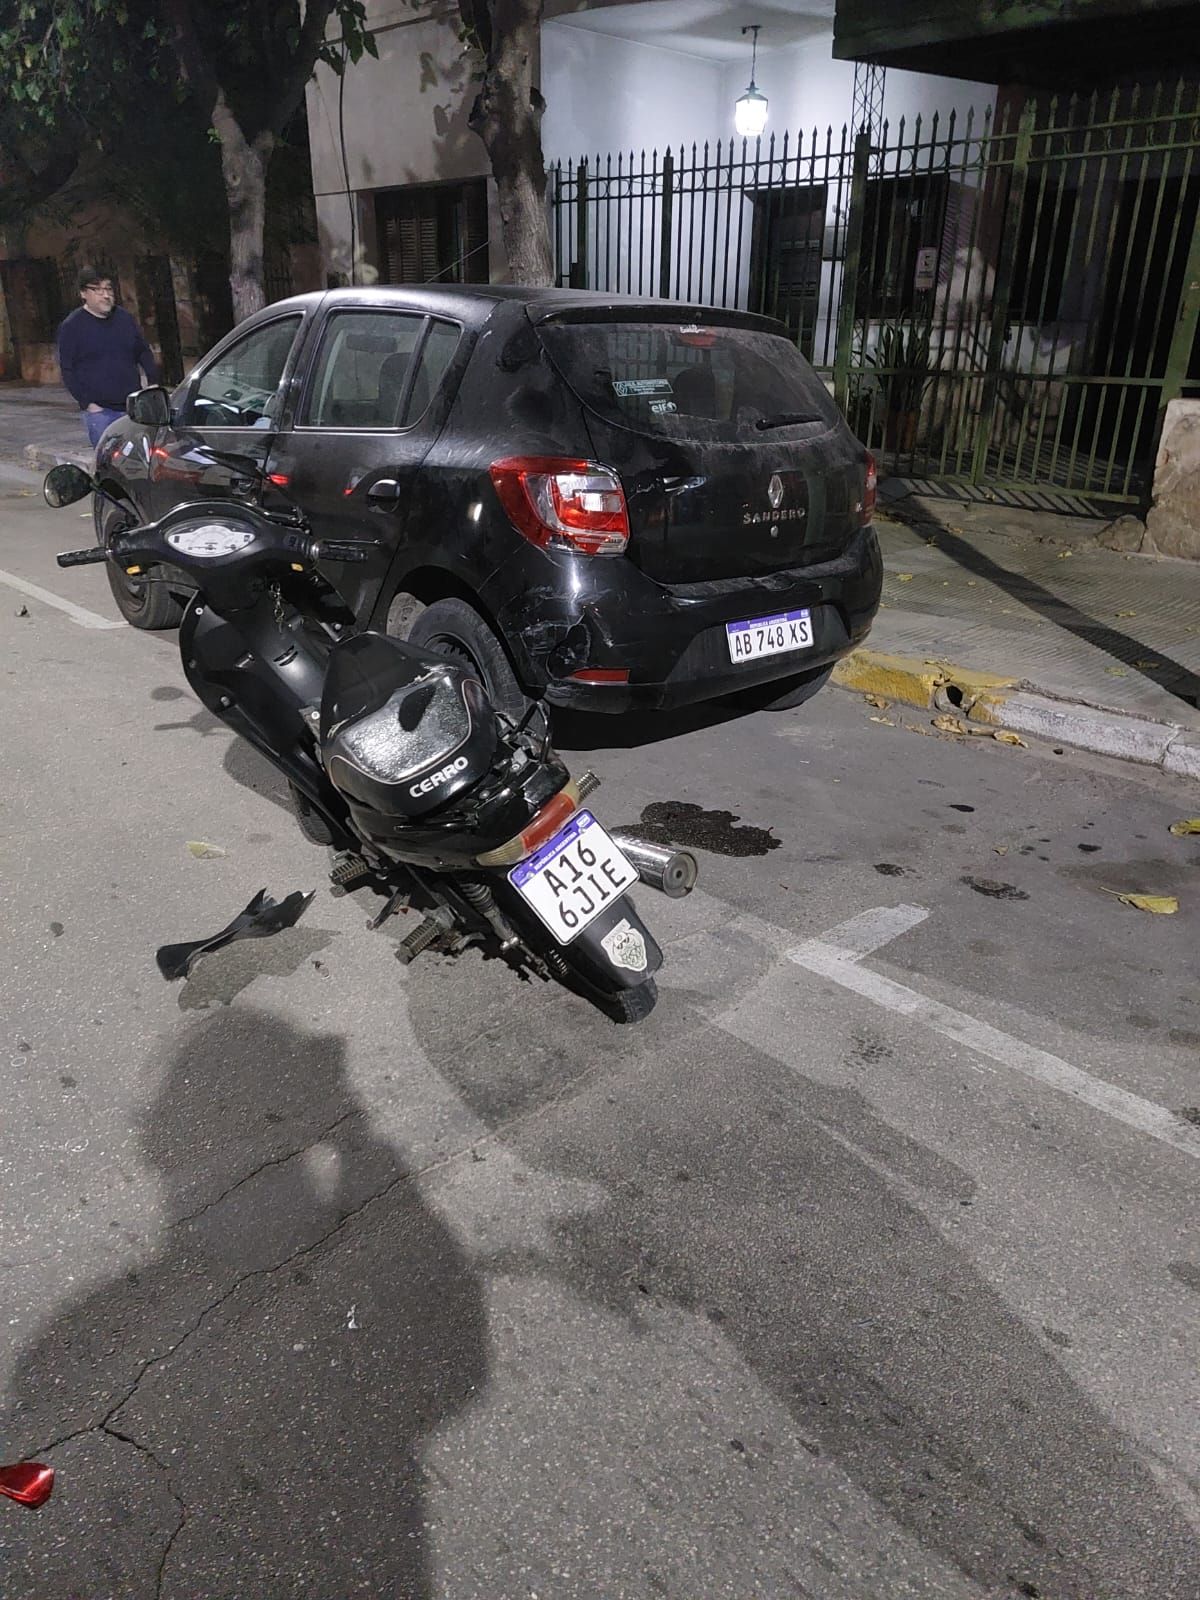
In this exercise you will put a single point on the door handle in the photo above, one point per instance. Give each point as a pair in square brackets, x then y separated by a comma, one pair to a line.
[384, 492]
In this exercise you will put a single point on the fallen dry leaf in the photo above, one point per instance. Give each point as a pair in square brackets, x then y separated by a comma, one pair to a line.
[948, 724]
[904, 577]
[1000, 849]
[24, 494]
[1147, 664]
[203, 851]
[1006, 736]
[1116, 672]
[1163, 905]
[1126, 613]
[1184, 826]
[887, 721]
[878, 702]
[913, 728]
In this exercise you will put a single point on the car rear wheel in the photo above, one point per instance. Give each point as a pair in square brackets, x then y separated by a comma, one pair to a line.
[143, 602]
[785, 693]
[453, 628]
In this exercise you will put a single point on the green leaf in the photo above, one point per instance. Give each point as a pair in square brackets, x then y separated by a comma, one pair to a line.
[371, 45]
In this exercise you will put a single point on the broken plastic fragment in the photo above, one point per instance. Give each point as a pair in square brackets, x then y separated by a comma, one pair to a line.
[261, 918]
[203, 851]
[1163, 905]
[27, 1482]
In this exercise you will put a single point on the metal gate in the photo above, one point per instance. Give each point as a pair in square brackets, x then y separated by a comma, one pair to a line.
[1007, 301]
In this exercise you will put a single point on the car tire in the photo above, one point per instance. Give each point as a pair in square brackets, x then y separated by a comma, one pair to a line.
[453, 628]
[145, 602]
[785, 693]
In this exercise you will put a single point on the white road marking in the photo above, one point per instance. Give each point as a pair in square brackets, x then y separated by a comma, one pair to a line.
[870, 930]
[79, 614]
[837, 954]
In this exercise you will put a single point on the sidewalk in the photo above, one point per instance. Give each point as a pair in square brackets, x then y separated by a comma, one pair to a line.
[40, 426]
[1019, 617]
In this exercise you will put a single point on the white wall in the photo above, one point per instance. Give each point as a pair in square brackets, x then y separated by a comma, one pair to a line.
[405, 115]
[606, 94]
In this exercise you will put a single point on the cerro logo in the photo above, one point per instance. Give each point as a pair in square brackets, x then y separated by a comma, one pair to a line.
[436, 779]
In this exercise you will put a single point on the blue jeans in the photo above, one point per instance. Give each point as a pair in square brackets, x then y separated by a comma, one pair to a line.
[96, 421]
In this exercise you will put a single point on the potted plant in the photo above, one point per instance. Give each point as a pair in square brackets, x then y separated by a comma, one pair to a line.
[903, 362]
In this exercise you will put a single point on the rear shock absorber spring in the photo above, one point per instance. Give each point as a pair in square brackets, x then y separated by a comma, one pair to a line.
[484, 901]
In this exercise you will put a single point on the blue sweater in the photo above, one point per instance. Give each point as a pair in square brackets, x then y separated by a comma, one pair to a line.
[100, 357]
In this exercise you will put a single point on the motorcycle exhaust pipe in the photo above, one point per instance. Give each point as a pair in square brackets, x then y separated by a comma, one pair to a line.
[671, 872]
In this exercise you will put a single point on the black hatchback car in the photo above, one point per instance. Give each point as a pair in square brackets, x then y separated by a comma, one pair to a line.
[606, 503]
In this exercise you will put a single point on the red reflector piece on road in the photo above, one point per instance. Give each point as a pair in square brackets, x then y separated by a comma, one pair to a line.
[27, 1482]
[601, 675]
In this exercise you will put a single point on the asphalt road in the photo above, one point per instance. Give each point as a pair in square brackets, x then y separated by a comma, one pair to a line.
[867, 1267]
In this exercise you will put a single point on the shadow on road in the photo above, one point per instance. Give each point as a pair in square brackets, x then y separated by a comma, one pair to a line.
[258, 1389]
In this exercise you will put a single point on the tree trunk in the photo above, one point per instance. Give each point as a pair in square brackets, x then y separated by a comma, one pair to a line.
[507, 116]
[244, 167]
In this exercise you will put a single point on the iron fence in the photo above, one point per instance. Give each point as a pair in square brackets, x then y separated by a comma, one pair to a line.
[1007, 300]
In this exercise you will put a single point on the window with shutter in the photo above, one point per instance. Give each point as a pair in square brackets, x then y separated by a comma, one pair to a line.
[433, 233]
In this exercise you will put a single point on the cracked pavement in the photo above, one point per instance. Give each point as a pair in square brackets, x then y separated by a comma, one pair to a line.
[325, 1279]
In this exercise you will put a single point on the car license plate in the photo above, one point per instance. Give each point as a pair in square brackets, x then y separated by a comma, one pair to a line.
[769, 636]
[570, 881]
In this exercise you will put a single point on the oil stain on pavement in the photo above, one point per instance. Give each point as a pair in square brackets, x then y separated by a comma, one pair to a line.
[678, 822]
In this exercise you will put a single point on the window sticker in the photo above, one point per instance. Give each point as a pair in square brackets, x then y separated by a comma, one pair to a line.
[663, 407]
[641, 386]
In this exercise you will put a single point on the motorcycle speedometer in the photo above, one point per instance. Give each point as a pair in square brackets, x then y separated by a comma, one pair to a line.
[210, 540]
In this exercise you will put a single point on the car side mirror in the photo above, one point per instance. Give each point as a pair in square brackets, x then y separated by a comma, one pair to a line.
[150, 407]
[65, 484]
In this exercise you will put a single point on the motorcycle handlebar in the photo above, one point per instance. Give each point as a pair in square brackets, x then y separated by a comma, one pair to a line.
[82, 558]
[341, 549]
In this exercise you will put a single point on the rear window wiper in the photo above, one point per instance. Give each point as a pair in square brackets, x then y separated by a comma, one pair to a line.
[785, 419]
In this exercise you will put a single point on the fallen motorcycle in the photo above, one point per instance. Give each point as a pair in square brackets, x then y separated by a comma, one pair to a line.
[397, 760]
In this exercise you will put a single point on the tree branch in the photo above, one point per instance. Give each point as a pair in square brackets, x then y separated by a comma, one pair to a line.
[194, 64]
[304, 59]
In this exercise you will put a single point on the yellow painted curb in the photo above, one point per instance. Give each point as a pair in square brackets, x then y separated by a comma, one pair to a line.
[933, 685]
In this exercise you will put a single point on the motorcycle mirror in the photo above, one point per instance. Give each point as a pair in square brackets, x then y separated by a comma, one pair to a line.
[150, 407]
[65, 484]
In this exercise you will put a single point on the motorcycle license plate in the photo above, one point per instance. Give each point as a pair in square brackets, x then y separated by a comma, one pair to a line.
[769, 636]
[571, 880]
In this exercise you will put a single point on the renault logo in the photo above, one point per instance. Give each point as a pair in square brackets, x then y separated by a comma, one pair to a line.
[775, 491]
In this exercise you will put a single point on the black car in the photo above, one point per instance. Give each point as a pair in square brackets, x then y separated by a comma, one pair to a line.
[608, 503]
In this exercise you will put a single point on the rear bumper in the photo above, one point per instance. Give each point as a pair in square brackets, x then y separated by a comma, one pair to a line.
[672, 640]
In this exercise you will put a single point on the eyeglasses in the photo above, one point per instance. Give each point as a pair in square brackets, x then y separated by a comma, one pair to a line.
[98, 288]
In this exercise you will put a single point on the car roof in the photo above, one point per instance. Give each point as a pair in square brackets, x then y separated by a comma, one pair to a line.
[474, 303]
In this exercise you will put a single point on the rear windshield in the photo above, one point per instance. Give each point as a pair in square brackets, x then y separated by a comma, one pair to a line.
[685, 381]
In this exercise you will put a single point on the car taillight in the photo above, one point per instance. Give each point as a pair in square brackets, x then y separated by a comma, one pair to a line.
[575, 505]
[870, 489]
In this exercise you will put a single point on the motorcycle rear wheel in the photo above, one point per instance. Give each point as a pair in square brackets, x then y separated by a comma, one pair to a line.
[629, 1005]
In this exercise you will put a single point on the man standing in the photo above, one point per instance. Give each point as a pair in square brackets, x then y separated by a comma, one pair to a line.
[100, 348]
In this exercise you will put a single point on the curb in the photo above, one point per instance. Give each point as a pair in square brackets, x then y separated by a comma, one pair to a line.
[40, 457]
[982, 697]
